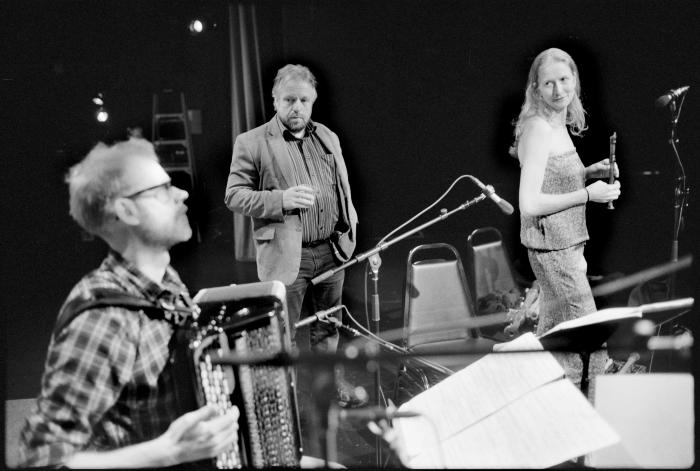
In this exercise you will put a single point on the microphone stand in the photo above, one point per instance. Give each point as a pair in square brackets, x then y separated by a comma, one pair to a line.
[375, 262]
[681, 192]
[334, 412]
[384, 245]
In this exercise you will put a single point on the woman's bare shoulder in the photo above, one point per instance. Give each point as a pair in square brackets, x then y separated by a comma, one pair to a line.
[536, 138]
[537, 125]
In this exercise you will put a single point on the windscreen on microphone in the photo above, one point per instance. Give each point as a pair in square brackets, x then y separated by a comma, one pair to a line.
[663, 100]
[671, 95]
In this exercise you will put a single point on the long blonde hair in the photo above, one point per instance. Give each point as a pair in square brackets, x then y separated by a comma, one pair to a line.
[533, 106]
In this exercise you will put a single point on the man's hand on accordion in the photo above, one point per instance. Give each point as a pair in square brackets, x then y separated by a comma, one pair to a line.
[194, 436]
[201, 434]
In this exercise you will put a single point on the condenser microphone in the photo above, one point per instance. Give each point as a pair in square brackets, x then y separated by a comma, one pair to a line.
[671, 95]
[376, 413]
[488, 191]
[319, 316]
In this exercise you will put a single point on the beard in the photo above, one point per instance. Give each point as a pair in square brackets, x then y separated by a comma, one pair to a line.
[295, 123]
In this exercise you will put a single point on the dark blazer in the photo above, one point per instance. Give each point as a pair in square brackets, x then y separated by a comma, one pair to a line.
[261, 169]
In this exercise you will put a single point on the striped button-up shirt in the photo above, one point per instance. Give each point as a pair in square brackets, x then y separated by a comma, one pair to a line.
[314, 166]
[108, 379]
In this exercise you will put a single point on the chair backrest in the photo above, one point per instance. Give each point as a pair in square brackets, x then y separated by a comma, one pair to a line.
[491, 271]
[436, 297]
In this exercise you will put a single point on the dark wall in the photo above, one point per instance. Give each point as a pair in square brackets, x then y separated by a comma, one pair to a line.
[57, 56]
[423, 92]
[420, 93]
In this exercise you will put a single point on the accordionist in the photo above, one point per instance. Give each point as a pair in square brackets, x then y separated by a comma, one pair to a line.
[106, 395]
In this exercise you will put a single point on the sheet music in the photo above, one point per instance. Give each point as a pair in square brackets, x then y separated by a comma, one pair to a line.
[551, 425]
[598, 317]
[496, 380]
[498, 410]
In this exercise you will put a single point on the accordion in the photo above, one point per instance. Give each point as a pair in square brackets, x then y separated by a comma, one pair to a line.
[247, 320]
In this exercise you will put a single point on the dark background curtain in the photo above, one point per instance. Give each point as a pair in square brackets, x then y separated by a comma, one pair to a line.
[247, 104]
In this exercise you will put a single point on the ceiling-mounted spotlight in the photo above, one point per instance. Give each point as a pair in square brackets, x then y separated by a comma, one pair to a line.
[202, 24]
[101, 114]
[197, 26]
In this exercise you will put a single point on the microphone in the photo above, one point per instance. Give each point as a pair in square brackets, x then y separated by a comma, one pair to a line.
[671, 95]
[319, 316]
[488, 190]
[376, 413]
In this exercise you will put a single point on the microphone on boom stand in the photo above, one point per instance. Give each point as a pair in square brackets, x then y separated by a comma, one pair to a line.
[319, 316]
[671, 95]
[490, 193]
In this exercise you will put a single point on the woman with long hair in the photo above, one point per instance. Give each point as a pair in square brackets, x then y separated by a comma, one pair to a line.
[553, 195]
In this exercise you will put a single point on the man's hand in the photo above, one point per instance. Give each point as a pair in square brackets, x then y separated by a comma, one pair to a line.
[300, 196]
[383, 428]
[191, 437]
[201, 434]
[601, 169]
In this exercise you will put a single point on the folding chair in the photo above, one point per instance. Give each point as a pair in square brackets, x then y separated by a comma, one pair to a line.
[437, 303]
[494, 286]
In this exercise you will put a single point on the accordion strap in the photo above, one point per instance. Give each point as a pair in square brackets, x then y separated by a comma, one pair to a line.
[104, 297]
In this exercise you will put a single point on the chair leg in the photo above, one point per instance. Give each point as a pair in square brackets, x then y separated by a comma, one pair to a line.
[397, 383]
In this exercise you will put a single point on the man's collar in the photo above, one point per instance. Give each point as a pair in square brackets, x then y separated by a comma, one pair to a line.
[149, 287]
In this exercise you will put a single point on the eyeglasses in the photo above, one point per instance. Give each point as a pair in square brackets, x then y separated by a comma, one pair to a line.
[167, 187]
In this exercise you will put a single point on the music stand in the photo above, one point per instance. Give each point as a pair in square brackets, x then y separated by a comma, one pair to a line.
[583, 340]
[588, 333]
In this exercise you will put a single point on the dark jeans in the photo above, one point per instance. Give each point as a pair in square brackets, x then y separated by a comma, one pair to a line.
[328, 293]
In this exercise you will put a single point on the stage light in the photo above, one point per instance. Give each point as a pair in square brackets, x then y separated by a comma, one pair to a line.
[197, 26]
[102, 115]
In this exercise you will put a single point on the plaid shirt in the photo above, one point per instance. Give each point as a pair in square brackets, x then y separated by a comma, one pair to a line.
[107, 381]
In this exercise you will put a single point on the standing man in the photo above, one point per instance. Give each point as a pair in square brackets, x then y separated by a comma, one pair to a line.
[289, 176]
[108, 396]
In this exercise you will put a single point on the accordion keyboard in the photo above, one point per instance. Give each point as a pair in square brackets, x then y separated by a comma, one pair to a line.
[268, 424]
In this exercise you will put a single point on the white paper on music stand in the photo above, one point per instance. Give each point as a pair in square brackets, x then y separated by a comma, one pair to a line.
[539, 430]
[505, 410]
[506, 376]
[599, 317]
